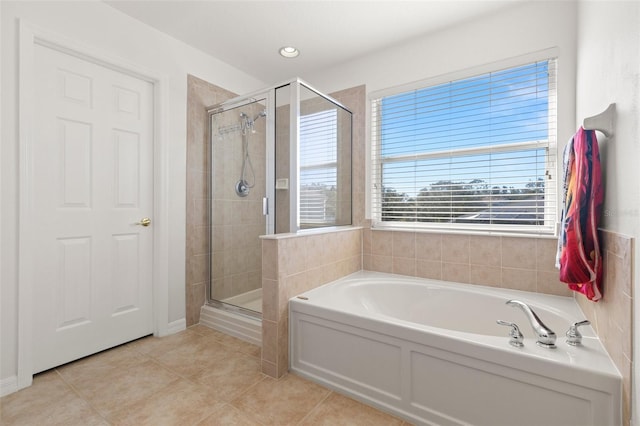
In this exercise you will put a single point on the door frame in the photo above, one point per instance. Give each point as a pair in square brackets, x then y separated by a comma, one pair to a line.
[29, 36]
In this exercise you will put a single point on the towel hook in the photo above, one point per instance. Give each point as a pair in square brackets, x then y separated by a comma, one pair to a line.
[603, 122]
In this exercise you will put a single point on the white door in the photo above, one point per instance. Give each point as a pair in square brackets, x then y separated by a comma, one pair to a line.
[93, 168]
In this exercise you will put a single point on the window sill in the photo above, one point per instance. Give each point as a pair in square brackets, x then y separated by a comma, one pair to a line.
[486, 232]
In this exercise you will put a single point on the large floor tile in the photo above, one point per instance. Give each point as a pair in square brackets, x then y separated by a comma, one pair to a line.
[183, 403]
[227, 415]
[285, 401]
[126, 387]
[339, 410]
[231, 376]
[238, 345]
[101, 365]
[154, 346]
[194, 358]
[49, 401]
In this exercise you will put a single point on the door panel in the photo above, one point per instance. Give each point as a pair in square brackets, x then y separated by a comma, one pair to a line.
[93, 152]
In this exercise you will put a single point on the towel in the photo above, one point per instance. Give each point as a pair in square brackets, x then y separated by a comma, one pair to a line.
[579, 258]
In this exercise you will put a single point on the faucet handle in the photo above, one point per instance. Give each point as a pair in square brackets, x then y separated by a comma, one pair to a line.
[574, 338]
[516, 337]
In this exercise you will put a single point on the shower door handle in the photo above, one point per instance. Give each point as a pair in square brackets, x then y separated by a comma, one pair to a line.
[265, 206]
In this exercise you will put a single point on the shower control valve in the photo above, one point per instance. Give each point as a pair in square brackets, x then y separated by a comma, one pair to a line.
[515, 336]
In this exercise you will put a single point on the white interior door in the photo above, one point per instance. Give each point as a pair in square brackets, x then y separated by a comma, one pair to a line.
[93, 168]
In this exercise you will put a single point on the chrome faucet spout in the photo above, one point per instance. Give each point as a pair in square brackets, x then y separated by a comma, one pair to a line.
[546, 336]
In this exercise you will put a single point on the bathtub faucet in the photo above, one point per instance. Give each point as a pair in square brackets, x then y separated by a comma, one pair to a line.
[546, 336]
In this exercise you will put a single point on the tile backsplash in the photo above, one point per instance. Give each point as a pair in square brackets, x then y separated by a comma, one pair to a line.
[521, 263]
[293, 264]
[612, 317]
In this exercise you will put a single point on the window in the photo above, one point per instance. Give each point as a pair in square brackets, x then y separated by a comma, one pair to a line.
[477, 153]
[318, 167]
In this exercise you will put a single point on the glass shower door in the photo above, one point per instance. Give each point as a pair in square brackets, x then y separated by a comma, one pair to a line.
[238, 189]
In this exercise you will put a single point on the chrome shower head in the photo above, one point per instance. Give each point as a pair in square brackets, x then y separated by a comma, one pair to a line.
[262, 113]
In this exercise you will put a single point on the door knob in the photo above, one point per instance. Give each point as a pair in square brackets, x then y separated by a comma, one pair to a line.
[145, 221]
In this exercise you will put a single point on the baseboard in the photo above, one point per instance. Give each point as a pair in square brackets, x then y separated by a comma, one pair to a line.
[177, 326]
[8, 385]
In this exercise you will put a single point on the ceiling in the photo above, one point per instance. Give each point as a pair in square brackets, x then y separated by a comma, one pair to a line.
[248, 34]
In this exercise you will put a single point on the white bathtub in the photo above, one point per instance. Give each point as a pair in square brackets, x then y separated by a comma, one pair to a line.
[431, 352]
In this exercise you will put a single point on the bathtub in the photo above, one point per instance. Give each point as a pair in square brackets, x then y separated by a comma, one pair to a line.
[431, 352]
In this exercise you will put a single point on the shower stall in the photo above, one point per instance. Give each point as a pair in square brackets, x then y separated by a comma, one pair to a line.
[281, 163]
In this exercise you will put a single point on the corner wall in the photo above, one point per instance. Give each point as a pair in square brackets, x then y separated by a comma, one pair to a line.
[608, 70]
[295, 263]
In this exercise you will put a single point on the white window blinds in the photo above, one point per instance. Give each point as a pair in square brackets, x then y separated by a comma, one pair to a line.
[475, 153]
[318, 167]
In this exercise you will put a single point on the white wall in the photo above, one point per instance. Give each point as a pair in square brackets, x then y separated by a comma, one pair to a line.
[99, 26]
[609, 71]
[512, 32]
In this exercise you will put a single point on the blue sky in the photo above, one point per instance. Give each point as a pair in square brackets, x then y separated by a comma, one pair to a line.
[499, 108]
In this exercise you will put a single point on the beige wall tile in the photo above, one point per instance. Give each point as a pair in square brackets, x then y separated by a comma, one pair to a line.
[366, 241]
[485, 275]
[404, 266]
[269, 368]
[315, 277]
[546, 254]
[355, 264]
[314, 251]
[382, 243]
[382, 263]
[296, 284]
[455, 248]
[270, 259]
[549, 283]
[197, 269]
[428, 246]
[195, 300]
[283, 346]
[269, 341]
[519, 279]
[456, 272]
[291, 256]
[485, 250]
[429, 269]
[367, 263]
[519, 253]
[270, 299]
[404, 244]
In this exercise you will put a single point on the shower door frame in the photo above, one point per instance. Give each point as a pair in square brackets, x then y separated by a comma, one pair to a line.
[266, 96]
[269, 96]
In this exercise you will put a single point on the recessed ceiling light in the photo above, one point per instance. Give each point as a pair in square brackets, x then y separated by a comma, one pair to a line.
[289, 52]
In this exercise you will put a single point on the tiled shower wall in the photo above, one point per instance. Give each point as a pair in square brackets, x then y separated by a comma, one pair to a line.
[200, 95]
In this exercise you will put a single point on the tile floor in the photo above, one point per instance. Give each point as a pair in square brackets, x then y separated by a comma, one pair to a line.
[196, 377]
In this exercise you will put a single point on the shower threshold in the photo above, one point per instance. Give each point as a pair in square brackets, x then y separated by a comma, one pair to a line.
[251, 300]
[236, 316]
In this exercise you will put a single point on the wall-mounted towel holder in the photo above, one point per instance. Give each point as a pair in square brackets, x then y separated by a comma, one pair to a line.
[603, 122]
